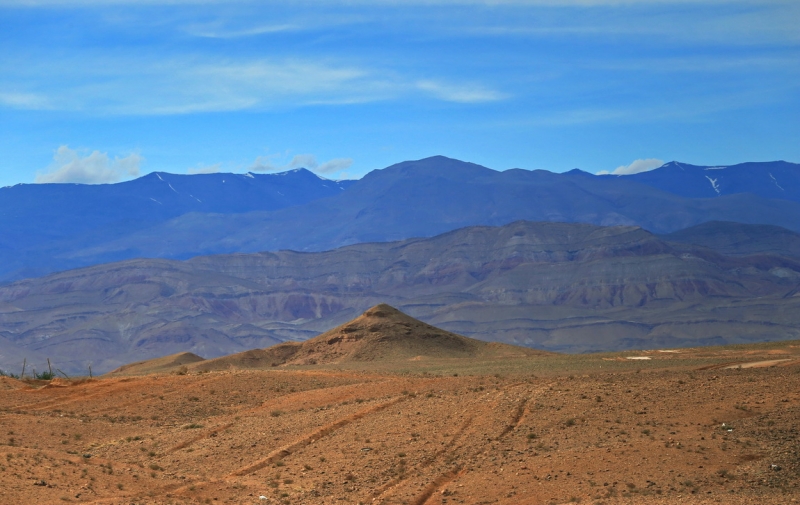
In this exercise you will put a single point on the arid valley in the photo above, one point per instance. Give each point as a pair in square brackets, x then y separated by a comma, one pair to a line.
[497, 425]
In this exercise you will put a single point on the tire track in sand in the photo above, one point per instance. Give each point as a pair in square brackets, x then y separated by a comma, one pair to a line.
[516, 419]
[437, 483]
[282, 452]
[197, 438]
[452, 474]
[386, 488]
[315, 435]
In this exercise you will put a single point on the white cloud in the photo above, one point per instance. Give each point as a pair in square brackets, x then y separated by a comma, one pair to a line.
[640, 165]
[211, 169]
[309, 161]
[96, 168]
[334, 165]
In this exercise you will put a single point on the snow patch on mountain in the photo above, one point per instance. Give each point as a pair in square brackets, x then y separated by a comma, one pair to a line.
[775, 181]
[714, 184]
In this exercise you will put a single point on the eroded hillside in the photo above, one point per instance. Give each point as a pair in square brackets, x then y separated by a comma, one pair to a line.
[554, 286]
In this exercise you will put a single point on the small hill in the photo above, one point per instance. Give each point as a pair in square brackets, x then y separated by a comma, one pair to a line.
[162, 364]
[254, 358]
[381, 334]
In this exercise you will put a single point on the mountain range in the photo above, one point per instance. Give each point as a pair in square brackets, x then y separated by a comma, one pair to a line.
[52, 227]
[552, 286]
[42, 224]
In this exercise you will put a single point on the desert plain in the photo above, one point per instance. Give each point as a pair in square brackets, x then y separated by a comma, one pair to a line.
[704, 425]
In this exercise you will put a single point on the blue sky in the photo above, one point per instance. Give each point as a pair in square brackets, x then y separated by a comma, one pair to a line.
[101, 91]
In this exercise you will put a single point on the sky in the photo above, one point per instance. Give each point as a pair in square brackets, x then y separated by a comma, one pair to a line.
[98, 91]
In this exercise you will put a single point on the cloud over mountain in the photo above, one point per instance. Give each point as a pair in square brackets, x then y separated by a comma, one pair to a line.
[96, 168]
[637, 166]
[309, 161]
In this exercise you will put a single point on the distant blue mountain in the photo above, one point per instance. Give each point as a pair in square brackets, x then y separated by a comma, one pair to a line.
[772, 179]
[435, 195]
[46, 228]
[39, 223]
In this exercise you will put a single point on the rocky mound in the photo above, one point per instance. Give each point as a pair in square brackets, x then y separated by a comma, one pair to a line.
[157, 365]
[382, 334]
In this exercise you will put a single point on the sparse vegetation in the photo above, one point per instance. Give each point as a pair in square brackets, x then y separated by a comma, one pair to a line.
[44, 376]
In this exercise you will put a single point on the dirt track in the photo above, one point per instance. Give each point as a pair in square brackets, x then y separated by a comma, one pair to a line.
[330, 437]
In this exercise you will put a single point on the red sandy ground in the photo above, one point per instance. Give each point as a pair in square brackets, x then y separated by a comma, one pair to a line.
[348, 437]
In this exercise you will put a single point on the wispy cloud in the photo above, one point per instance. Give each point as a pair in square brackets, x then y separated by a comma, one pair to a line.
[739, 23]
[241, 85]
[269, 164]
[467, 93]
[698, 64]
[69, 165]
[30, 101]
[221, 32]
[152, 86]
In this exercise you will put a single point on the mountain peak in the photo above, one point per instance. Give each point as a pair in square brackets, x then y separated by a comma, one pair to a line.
[439, 165]
[382, 311]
